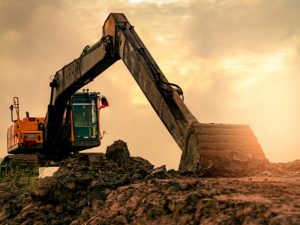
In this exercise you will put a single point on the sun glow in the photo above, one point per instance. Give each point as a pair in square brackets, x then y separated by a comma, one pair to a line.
[252, 69]
[151, 1]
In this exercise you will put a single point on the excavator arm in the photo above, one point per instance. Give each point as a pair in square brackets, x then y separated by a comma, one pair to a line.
[210, 147]
[119, 41]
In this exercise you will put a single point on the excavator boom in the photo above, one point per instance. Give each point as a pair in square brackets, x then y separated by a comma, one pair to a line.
[119, 41]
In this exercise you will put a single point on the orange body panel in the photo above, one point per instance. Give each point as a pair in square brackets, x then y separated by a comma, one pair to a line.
[25, 135]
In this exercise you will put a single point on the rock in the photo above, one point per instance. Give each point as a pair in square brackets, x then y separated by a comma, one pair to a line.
[158, 172]
[143, 162]
[119, 220]
[118, 152]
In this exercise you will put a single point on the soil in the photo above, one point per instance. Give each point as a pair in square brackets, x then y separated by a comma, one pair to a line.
[115, 188]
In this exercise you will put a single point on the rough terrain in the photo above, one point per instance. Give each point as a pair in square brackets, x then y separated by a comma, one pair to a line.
[114, 188]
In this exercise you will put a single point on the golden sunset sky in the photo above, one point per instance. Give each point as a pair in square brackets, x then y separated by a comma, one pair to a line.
[238, 61]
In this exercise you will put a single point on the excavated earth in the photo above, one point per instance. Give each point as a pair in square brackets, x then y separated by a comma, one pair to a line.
[114, 188]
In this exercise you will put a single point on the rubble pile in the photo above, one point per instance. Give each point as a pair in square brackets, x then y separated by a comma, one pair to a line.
[270, 169]
[116, 188]
[284, 169]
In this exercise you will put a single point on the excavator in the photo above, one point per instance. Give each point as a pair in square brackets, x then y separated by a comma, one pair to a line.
[72, 121]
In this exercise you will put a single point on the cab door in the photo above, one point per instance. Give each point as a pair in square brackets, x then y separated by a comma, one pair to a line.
[85, 120]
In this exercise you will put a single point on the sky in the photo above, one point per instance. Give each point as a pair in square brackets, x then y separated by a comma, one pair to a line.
[237, 62]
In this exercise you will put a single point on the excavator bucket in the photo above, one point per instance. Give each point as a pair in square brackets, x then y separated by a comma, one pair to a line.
[222, 150]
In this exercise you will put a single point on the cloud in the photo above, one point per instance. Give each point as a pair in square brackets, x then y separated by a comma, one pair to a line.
[229, 27]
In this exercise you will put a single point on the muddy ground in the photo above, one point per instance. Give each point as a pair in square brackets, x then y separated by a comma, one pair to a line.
[118, 189]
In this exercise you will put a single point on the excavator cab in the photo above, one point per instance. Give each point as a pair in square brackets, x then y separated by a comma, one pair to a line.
[85, 115]
[81, 125]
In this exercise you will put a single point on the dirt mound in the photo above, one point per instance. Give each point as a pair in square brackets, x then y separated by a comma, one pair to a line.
[290, 169]
[115, 188]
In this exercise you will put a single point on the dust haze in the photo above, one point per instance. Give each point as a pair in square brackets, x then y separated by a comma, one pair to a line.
[237, 62]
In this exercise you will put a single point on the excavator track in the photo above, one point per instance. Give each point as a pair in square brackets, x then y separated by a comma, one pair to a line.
[27, 163]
